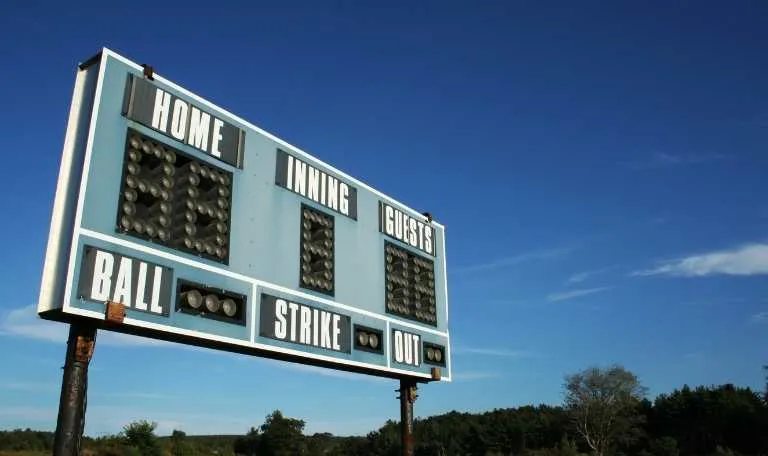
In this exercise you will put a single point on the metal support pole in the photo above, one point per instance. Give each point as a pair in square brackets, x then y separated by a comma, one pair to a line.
[72, 402]
[407, 398]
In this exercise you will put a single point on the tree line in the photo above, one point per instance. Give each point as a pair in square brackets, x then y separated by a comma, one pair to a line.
[605, 412]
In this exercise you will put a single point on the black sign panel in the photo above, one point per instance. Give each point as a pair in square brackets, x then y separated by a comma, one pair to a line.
[186, 122]
[412, 231]
[137, 284]
[289, 321]
[406, 348]
[316, 185]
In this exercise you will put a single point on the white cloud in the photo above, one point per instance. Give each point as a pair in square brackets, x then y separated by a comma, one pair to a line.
[584, 275]
[34, 387]
[514, 260]
[760, 317]
[466, 376]
[26, 414]
[746, 260]
[665, 160]
[566, 295]
[24, 322]
[325, 372]
[134, 395]
[487, 351]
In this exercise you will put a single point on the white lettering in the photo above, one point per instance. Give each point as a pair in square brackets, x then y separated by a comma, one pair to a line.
[289, 179]
[407, 229]
[333, 193]
[344, 206]
[156, 287]
[399, 225]
[218, 124]
[300, 180]
[318, 186]
[123, 283]
[281, 307]
[314, 184]
[294, 308]
[416, 351]
[398, 346]
[336, 332]
[306, 321]
[325, 330]
[199, 123]
[306, 325]
[323, 196]
[413, 236]
[160, 112]
[102, 274]
[408, 348]
[315, 326]
[141, 287]
[389, 222]
[179, 119]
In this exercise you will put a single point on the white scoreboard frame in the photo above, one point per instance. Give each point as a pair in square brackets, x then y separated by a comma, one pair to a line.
[66, 231]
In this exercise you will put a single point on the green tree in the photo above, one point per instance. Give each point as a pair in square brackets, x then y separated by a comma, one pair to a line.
[604, 405]
[249, 444]
[179, 444]
[664, 446]
[282, 436]
[141, 436]
[700, 419]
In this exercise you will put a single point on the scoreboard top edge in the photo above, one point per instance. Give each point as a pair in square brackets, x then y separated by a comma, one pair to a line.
[106, 53]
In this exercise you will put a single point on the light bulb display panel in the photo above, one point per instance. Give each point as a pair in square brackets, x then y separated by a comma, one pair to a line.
[317, 247]
[207, 302]
[172, 199]
[175, 219]
[410, 285]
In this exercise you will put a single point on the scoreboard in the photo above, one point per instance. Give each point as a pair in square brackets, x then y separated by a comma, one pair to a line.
[207, 230]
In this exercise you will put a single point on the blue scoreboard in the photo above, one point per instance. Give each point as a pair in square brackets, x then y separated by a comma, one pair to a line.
[203, 229]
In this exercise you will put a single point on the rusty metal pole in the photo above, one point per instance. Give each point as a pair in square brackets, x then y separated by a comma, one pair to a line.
[407, 398]
[72, 402]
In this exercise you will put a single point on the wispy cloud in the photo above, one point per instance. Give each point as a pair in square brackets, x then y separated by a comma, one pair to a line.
[746, 260]
[760, 317]
[566, 295]
[665, 160]
[32, 387]
[490, 351]
[584, 275]
[24, 322]
[135, 395]
[515, 260]
[466, 376]
[323, 371]
[22, 413]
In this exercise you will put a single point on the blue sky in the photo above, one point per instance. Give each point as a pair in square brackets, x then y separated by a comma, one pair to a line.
[600, 168]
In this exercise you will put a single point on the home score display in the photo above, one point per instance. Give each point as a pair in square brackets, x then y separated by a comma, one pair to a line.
[210, 231]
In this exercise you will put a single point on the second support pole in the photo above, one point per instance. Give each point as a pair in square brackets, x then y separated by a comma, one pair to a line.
[407, 398]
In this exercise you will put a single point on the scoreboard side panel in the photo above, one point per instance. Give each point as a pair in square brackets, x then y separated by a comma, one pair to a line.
[54, 276]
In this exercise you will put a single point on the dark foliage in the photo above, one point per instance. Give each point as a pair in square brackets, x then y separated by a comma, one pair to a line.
[702, 421]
